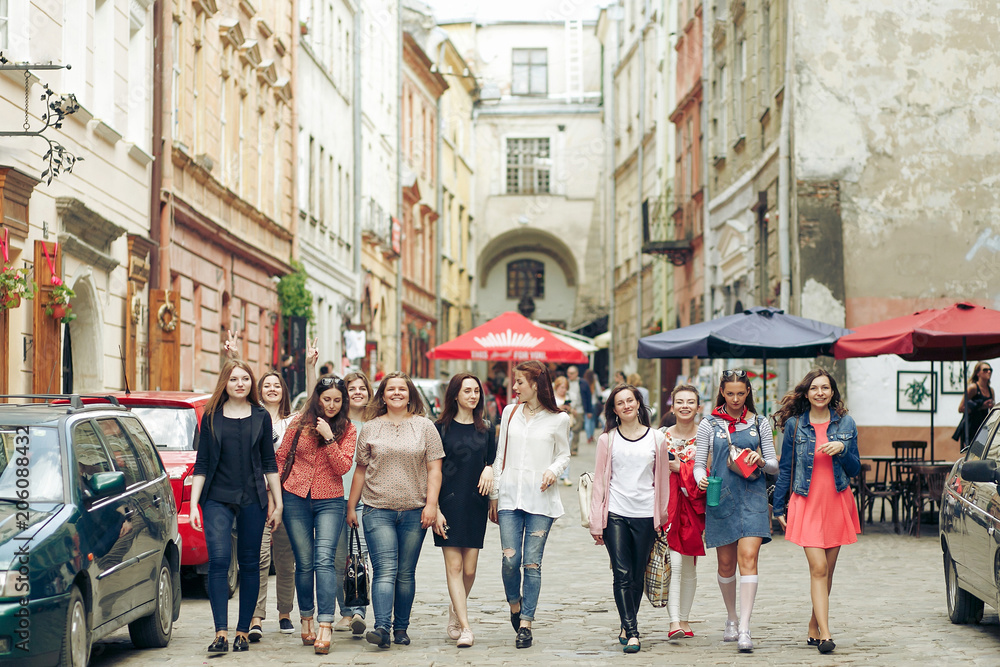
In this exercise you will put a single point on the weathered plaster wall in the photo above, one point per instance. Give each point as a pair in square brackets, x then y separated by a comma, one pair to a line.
[896, 103]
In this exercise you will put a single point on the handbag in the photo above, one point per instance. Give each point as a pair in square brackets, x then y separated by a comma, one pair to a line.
[290, 460]
[737, 458]
[656, 581]
[585, 487]
[355, 573]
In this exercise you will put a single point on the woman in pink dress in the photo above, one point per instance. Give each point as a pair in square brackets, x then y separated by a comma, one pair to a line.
[819, 455]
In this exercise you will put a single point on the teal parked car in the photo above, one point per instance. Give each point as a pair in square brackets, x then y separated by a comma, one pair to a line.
[88, 532]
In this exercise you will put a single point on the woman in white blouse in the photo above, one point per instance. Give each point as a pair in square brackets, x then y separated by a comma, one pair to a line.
[533, 452]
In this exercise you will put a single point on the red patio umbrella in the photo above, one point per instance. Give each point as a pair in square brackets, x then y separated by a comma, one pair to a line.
[938, 334]
[509, 337]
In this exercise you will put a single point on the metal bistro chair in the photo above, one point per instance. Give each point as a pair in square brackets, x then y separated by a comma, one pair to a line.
[928, 487]
[907, 451]
[883, 488]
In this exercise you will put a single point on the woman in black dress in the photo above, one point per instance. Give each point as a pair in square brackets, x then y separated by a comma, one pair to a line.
[470, 447]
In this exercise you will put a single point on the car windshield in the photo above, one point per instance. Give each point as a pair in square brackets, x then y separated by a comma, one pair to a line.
[170, 428]
[42, 477]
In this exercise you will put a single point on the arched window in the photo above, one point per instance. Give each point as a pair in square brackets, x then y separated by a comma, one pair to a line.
[525, 276]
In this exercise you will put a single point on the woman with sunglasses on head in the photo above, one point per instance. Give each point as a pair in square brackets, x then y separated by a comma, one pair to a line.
[533, 451]
[819, 455]
[739, 524]
[979, 398]
[315, 453]
[275, 547]
[630, 500]
[686, 511]
[233, 473]
[398, 477]
[359, 391]
[470, 450]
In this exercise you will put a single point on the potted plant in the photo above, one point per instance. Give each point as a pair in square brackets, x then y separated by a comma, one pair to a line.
[15, 285]
[58, 305]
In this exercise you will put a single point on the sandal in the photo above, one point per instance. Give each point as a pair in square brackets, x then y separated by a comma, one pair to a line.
[308, 634]
[321, 646]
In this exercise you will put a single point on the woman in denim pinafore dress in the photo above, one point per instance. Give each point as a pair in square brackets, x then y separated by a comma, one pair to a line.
[739, 524]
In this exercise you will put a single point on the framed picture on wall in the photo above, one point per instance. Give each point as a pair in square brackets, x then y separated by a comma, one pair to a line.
[952, 378]
[915, 391]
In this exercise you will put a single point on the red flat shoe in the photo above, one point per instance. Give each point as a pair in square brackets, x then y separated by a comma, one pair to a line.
[675, 634]
[688, 633]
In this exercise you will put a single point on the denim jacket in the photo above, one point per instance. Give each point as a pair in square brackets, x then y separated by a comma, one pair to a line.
[846, 464]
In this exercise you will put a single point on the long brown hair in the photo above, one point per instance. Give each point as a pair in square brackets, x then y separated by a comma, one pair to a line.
[796, 402]
[220, 396]
[451, 403]
[377, 407]
[745, 379]
[611, 417]
[285, 404]
[975, 372]
[536, 372]
[358, 375]
[313, 409]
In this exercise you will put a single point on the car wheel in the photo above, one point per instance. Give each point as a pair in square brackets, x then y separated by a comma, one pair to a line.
[154, 631]
[76, 638]
[963, 607]
[232, 576]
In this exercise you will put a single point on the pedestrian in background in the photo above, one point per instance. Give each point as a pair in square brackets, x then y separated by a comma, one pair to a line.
[359, 391]
[686, 511]
[534, 451]
[976, 403]
[618, 379]
[630, 501]
[316, 451]
[560, 389]
[739, 524]
[233, 472]
[635, 380]
[467, 480]
[594, 384]
[582, 403]
[398, 477]
[821, 443]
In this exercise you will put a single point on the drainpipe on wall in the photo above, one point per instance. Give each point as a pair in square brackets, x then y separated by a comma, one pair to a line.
[157, 259]
[708, 277]
[358, 150]
[640, 166]
[784, 190]
[439, 204]
[613, 212]
[399, 183]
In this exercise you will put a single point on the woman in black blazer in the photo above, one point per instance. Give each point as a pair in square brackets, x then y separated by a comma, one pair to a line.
[235, 455]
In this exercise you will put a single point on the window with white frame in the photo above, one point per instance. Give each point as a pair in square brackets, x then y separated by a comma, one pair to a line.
[4, 24]
[740, 88]
[175, 82]
[530, 72]
[529, 164]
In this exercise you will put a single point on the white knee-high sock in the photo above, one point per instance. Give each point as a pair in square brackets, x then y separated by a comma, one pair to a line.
[728, 587]
[748, 591]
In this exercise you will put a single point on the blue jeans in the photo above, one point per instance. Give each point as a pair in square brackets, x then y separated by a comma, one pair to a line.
[589, 423]
[217, 520]
[313, 527]
[394, 541]
[522, 538]
[340, 562]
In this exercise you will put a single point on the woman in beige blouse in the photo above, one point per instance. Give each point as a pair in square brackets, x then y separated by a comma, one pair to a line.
[398, 478]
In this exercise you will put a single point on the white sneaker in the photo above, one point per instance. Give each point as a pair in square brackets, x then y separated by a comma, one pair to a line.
[343, 625]
[465, 639]
[731, 632]
[454, 625]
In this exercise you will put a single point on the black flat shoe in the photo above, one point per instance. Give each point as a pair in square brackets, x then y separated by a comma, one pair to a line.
[400, 637]
[515, 620]
[256, 632]
[523, 638]
[220, 645]
[378, 636]
[241, 644]
[812, 641]
[826, 646]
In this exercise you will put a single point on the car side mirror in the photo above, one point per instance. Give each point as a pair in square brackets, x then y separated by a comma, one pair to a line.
[980, 471]
[105, 484]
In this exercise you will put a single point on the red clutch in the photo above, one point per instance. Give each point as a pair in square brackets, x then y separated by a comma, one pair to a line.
[746, 468]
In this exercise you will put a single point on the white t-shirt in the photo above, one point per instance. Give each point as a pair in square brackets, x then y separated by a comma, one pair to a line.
[631, 488]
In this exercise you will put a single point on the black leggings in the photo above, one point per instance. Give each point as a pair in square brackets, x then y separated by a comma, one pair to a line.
[629, 542]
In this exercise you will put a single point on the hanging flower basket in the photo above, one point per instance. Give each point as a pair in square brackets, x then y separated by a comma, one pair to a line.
[15, 285]
[58, 306]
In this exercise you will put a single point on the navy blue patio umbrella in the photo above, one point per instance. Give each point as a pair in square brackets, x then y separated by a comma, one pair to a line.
[756, 333]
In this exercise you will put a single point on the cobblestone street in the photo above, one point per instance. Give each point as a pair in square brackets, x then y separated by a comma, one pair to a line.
[888, 608]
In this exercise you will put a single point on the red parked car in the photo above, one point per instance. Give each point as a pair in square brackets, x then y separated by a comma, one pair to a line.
[173, 419]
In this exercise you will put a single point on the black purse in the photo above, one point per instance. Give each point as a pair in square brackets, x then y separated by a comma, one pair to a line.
[355, 573]
[290, 460]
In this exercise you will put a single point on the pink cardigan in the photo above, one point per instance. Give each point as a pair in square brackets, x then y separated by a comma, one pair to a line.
[602, 481]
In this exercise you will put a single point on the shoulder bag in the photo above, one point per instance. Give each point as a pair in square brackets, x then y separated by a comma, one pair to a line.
[585, 487]
[736, 460]
[290, 459]
[355, 573]
[656, 581]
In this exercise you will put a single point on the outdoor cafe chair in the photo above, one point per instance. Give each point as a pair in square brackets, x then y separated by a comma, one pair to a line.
[883, 488]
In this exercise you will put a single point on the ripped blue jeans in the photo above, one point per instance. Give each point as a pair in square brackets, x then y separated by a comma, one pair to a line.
[522, 539]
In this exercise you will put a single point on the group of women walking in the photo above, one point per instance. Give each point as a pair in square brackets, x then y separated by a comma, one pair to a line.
[353, 460]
